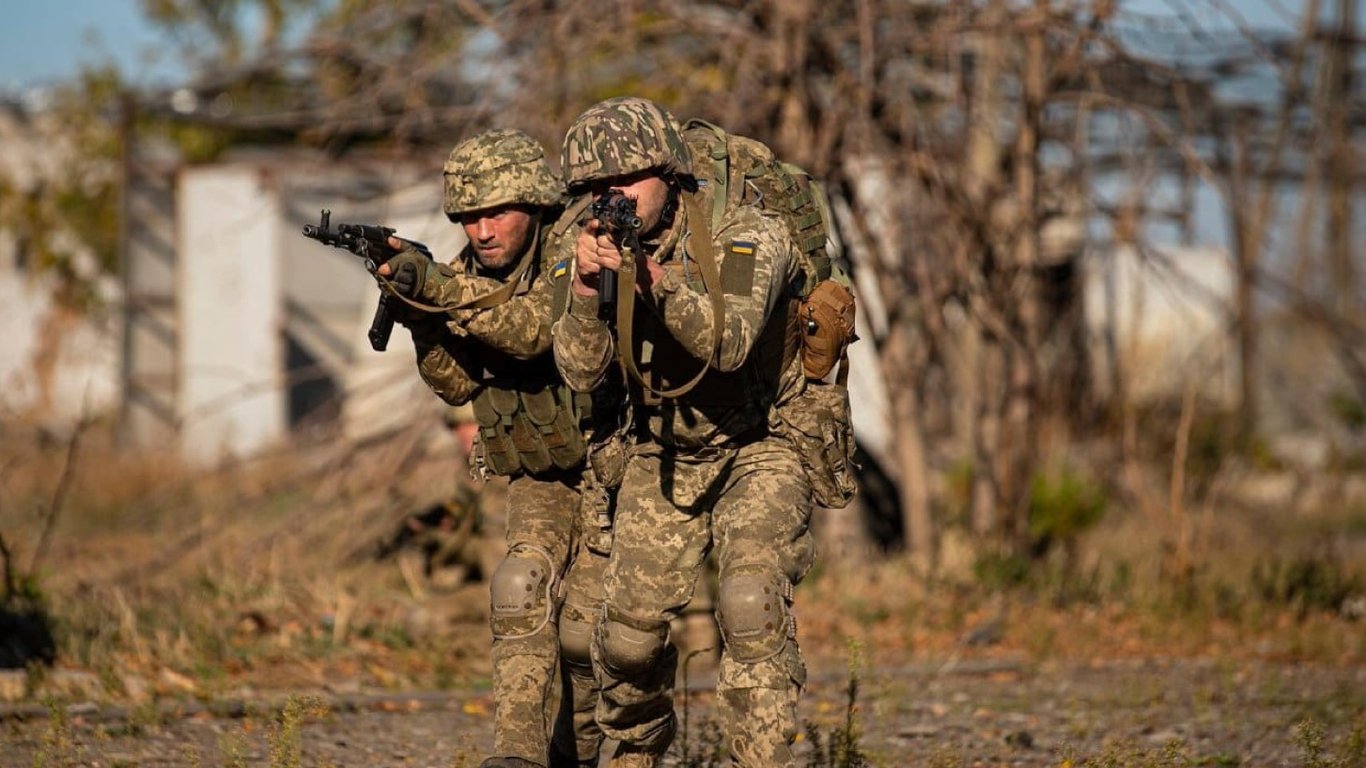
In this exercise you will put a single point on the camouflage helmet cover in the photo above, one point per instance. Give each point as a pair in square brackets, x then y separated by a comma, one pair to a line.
[499, 167]
[622, 136]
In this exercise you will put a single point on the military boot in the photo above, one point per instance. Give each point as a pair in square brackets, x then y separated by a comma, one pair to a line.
[509, 762]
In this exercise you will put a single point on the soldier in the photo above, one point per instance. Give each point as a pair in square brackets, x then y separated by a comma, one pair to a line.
[490, 347]
[442, 546]
[705, 316]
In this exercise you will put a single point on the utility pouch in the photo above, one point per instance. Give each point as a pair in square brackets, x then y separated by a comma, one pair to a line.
[607, 457]
[827, 317]
[817, 423]
[529, 431]
[497, 452]
[531, 450]
[597, 506]
[553, 422]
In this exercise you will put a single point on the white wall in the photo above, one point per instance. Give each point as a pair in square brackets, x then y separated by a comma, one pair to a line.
[232, 399]
[1168, 312]
[56, 367]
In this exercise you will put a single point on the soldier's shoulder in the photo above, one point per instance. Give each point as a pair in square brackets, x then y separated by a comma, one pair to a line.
[751, 224]
[752, 218]
[557, 240]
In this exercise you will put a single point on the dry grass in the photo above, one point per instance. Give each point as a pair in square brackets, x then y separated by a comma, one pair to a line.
[163, 581]
[258, 574]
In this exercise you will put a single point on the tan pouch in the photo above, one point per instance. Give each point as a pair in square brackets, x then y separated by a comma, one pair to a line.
[827, 316]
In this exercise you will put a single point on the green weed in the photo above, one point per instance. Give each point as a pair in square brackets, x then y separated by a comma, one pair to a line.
[286, 735]
[234, 748]
[711, 749]
[1305, 583]
[58, 748]
[841, 747]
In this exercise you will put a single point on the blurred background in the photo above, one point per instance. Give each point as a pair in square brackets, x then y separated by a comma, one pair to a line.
[1109, 257]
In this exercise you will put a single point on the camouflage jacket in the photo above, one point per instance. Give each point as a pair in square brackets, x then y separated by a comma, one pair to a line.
[760, 271]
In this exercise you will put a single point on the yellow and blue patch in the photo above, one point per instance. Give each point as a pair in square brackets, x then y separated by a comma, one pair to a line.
[742, 247]
[560, 270]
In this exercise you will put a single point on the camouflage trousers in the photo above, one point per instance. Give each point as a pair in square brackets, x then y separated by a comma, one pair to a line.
[541, 514]
[753, 505]
[576, 729]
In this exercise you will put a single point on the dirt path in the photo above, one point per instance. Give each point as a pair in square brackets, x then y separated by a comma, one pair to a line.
[970, 714]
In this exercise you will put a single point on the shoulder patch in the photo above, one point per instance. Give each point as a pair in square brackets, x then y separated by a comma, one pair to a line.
[737, 270]
[560, 269]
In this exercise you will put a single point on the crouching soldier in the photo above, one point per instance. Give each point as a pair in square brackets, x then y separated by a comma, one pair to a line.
[490, 346]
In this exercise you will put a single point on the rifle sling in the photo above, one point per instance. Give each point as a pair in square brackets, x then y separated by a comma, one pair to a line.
[700, 245]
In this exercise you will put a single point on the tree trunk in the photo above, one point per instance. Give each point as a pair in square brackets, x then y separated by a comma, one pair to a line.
[982, 167]
[1245, 259]
[1341, 162]
[1021, 438]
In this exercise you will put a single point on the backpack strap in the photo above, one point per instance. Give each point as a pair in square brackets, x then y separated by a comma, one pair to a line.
[700, 246]
[716, 144]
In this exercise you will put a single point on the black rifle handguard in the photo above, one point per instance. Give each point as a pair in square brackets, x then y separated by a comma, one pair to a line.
[616, 213]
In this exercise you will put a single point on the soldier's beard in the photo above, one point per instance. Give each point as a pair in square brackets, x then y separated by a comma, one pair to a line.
[501, 264]
[667, 214]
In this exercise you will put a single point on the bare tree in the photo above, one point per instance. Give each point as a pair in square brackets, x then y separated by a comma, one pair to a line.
[964, 143]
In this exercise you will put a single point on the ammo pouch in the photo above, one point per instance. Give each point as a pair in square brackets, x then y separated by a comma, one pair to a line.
[607, 457]
[531, 431]
[817, 423]
[827, 316]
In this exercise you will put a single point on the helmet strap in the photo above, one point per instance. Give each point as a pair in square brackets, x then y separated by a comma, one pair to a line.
[670, 210]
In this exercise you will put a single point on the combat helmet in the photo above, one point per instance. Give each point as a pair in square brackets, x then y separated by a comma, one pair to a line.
[619, 137]
[498, 167]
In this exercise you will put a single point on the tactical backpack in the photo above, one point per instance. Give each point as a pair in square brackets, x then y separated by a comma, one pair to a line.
[745, 171]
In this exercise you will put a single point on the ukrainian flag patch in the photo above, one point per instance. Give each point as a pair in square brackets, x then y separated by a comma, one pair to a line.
[742, 247]
[561, 269]
[737, 269]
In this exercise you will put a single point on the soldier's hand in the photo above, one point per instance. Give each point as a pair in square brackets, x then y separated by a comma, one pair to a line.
[594, 251]
[407, 273]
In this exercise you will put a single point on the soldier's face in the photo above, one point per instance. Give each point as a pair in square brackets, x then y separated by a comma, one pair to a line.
[648, 190]
[499, 236]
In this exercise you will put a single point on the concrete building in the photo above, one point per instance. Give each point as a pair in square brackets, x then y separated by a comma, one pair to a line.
[240, 330]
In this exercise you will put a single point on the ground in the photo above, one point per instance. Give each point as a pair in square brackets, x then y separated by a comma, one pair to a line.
[251, 617]
[956, 713]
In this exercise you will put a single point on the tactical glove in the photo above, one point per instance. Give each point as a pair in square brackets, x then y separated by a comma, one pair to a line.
[408, 277]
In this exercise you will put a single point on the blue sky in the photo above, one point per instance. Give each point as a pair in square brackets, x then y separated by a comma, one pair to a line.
[45, 41]
[48, 40]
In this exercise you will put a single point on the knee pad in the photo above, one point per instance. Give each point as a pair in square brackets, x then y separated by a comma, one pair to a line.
[576, 632]
[630, 647]
[520, 593]
[752, 608]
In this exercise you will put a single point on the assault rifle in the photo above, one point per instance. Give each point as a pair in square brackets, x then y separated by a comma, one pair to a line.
[617, 214]
[371, 243]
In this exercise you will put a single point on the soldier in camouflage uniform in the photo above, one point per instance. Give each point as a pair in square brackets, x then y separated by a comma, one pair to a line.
[701, 468]
[490, 347]
[442, 546]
